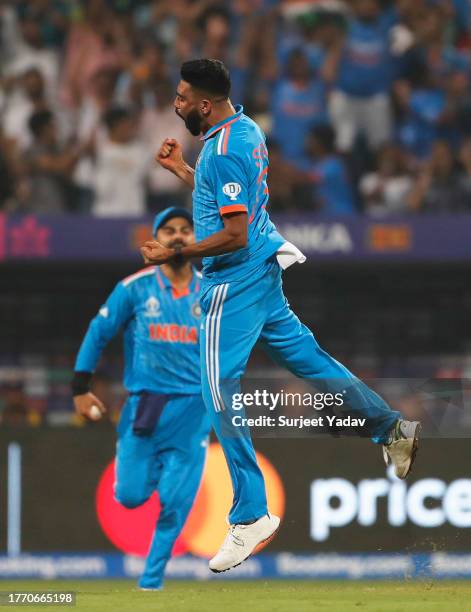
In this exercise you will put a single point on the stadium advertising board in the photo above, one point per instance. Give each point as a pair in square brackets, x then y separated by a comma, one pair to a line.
[337, 500]
[328, 238]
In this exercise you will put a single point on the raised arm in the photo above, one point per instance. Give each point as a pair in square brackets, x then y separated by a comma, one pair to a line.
[230, 183]
[170, 157]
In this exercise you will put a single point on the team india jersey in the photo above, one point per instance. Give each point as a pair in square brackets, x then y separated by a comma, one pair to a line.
[231, 176]
[160, 325]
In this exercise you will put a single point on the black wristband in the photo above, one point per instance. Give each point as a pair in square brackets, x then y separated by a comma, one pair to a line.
[81, 383]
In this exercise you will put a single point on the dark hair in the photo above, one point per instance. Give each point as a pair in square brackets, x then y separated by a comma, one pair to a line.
[296, 54]
[325, 135]
[147, 40]
[114, 115]
[38, 121]
[33, 70]
[208, 75]
[210, 13]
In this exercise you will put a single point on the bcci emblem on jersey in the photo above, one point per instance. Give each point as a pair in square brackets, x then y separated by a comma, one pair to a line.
[196, 310]
[152, 307]
[232, 190]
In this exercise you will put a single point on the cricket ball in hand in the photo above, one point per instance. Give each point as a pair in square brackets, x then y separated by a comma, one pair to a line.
[94, 413]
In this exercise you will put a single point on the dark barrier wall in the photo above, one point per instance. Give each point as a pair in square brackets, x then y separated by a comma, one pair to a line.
[338, 494]
[392, 309]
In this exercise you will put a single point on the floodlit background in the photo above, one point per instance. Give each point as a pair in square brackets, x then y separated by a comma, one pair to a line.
[367, 110]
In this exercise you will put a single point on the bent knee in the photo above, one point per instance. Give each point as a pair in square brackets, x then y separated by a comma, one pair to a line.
[130, 498]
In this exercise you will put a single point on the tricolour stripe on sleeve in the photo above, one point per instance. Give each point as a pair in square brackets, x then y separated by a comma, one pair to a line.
[226, 139]
[220, 141]
[231, 208]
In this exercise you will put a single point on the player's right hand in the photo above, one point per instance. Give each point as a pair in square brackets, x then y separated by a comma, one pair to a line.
[170, 155]
[83, 406]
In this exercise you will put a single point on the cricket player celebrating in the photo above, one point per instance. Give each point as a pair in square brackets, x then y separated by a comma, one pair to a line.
[242, 299]
[163, 428]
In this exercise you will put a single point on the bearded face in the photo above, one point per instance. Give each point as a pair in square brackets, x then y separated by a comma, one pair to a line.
[193, 121]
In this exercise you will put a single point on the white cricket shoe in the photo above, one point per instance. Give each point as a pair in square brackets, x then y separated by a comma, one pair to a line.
[402, 447]
[242, 540]
[151, 589]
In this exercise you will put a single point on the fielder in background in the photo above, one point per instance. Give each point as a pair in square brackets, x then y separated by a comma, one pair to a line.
[163, 428]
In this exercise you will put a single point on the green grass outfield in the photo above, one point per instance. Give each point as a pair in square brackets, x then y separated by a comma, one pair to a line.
[255, 596]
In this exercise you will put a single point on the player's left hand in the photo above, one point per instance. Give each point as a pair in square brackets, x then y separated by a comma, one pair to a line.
[155, 253]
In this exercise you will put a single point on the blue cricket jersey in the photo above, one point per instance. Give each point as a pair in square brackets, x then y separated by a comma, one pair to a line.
[231, 176]
[160, 325]
[295, 112]
[367, 66]
[332, 186]
[421, 126]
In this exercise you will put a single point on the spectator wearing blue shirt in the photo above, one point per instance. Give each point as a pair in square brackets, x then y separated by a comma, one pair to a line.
[332, 187]
[434, 49]
[432, 105]
[316, 33]
[421, 107]
[320, 36]
[462, 10]
[299, 104]
[314, 52]
[360, 102]
[442, 97]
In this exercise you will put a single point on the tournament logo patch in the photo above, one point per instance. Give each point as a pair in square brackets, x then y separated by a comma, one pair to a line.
[196, 310]
[232, 190]
[152, 307]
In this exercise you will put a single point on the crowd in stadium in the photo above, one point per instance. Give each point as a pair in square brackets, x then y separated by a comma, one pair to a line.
[366, 103]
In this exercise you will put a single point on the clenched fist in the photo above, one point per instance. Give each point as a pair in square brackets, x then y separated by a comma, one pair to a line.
[170, 155]
[155, 253]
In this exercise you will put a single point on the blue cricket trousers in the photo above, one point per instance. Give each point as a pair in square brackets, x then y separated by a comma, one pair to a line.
[170, 461]
[234, 317]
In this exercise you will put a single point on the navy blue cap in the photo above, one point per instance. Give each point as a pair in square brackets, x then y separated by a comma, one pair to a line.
[169, 213]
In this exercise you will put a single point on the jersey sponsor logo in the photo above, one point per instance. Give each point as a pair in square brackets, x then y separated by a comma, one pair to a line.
[152, 307]
[196, 310]
[232, 190]
[171, 332]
